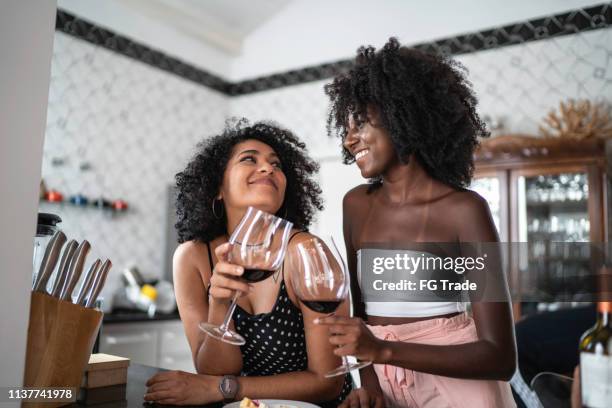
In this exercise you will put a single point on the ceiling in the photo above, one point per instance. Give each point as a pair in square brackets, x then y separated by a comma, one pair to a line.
[220, 23]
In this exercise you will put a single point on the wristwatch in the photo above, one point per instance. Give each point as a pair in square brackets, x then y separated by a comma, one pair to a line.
[229, 386]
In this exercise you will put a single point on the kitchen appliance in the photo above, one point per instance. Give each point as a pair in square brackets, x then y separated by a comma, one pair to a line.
[45, 230]
[47, 265]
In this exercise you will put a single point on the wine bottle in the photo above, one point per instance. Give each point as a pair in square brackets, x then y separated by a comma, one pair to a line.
[596, 350]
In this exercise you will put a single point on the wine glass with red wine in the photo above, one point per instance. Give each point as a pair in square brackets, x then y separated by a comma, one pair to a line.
[258, 244]
[322, 284]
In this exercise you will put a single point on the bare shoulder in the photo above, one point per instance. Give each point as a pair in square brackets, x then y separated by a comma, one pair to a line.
[190, 256]
[187, 251]
[473, 217]
[356, 196]
[357, 193]
[469, 201]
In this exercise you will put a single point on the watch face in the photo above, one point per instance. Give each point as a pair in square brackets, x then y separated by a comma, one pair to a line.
[226, 386]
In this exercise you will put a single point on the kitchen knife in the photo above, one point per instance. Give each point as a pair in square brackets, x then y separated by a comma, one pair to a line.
[98, 283]
[47, 265]
[75, 271]
[62, 271]
[88, 282]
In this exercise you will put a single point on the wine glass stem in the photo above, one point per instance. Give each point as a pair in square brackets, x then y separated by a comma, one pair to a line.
[228, 316]
[345, 361]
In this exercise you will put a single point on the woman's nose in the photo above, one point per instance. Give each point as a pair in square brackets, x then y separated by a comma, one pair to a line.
[266, 167]
[350, 139]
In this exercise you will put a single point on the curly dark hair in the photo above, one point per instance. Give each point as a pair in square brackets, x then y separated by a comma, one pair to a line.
[201, 180]
[426, 104]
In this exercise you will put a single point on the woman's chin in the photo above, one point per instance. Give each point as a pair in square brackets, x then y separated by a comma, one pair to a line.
[367, 173]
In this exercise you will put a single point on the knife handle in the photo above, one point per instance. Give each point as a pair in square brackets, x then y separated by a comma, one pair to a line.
[88, 282]
[98, 283]
[76, 268]
[60, 277]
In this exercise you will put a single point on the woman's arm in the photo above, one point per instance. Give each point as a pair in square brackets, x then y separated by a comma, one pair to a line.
[210, 356]
[492, 356]
[367, 375]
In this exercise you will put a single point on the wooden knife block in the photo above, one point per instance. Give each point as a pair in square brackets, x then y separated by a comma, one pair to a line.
[61, 336]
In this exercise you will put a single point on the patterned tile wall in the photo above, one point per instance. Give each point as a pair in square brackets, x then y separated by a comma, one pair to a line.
[136, 126]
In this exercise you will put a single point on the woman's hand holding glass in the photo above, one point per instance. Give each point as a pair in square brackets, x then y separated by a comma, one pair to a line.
[321, 282]
[226, 277]
[353, 338]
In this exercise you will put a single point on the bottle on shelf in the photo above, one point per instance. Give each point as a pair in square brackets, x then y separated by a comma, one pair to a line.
[596, 349]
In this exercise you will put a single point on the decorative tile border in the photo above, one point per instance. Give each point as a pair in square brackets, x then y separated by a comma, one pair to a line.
[84, 30]
[579, 20]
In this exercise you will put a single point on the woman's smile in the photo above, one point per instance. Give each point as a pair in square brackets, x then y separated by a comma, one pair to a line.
[265, 181]
[361, 154]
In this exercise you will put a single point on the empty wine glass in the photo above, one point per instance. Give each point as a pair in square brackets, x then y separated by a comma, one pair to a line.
[258, 244]
[322, 283]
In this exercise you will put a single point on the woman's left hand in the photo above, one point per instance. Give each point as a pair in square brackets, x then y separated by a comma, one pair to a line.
[354, 338]
[182, 388]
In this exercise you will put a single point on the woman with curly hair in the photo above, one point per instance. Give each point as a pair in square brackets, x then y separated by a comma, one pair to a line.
[408, 120]
[286, 354]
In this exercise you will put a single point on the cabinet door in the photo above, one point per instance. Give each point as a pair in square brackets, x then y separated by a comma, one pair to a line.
[174, 351]
[137, 342]
[551, 210]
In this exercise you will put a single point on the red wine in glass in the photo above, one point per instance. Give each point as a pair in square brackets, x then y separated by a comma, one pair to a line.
[256, 275]
[322, 306]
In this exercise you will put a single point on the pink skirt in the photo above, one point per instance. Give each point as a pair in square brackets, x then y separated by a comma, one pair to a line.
[408, 388]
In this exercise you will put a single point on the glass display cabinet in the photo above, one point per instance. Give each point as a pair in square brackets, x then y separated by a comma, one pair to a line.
[545, 193]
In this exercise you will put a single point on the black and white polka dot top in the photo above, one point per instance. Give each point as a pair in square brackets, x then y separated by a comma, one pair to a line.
[275, 342]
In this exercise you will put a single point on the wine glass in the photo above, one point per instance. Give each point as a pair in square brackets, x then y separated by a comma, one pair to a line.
[258, 244]
[321, 282]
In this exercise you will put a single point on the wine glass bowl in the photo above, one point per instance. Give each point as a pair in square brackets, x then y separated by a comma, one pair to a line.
[258, 244]
[321, 282]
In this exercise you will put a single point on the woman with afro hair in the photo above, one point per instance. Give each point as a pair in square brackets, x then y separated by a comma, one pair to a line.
[408, 120]
[286, 354]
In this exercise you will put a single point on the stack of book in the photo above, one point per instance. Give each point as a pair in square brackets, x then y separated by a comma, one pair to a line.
[104, 380]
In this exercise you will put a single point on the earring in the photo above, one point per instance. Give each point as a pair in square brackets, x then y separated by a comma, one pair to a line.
[215, 212]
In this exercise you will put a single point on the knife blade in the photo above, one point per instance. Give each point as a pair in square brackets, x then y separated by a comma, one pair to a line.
[87, 282]
[75, 271]
[62, 271]
[49, 261]
[98, 283]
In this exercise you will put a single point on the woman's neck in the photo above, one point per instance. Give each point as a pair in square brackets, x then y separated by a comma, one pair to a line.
[407, 183]
[234, 215]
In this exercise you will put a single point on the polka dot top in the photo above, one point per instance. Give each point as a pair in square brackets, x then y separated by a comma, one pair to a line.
[275, 341]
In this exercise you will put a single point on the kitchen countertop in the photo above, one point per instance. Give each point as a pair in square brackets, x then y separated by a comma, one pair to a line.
[138, 375]
[135, 316]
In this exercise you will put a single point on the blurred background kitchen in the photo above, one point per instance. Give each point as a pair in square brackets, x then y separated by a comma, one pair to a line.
[135, 84]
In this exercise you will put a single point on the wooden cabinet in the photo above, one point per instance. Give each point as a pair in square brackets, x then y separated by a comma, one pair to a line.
[158, 344]
[543, 191]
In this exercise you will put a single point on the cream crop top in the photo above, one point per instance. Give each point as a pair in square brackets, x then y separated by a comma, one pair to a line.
[399, 303]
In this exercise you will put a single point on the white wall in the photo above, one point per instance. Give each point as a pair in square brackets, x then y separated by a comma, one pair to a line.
[309, 32]
[26, 40]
